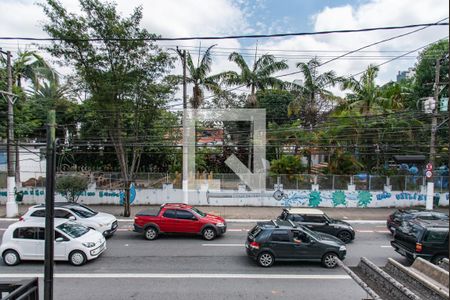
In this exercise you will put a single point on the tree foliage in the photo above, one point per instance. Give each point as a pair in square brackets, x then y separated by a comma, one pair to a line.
[72, 186]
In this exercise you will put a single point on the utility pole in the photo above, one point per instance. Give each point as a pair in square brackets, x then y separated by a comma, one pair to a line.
[430, 181]
[12, 209]
[185, 179]
[50, 206]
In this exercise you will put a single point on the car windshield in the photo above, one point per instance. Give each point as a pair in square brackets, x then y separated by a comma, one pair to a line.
[311, 233]
[83, 211]
[72, 229]
[328, 218]
[198, 212]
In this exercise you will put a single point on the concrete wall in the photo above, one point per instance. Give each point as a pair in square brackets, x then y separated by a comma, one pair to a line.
[294, 198]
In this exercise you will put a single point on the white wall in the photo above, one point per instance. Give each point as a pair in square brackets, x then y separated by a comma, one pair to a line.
[234, 198]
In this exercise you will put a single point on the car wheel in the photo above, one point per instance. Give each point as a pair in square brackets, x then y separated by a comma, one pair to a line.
[437, 260]
[209, 233]
[77, 258]
[329, 260]
[151, 233]
[11, 258]
[345, 236]
[266, 259]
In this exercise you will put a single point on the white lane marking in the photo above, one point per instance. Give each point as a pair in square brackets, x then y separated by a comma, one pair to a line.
[9, 219]
[2, 229]
[386, 246]
[235, 229]
[383, 231]
[223, 245]
[365, 231]
[177, 275]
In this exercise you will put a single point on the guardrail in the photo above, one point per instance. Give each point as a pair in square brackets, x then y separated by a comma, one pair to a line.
[444, 264]
[421, 278]
[359, 281]
[21, 290]
[391, 287]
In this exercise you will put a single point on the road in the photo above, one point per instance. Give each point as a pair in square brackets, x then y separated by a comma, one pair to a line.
[187, 267]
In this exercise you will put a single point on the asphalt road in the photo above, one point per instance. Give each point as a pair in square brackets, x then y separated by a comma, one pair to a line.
[187, 267]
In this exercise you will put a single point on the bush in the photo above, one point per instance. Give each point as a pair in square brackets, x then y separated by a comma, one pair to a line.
[71, 186]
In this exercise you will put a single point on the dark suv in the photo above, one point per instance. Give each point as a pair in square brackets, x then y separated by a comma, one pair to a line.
[396, 219]
[422, 238]
[287, 241]
[317, 220]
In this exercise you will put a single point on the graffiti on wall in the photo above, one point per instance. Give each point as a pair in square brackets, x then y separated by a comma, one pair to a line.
[341, 198]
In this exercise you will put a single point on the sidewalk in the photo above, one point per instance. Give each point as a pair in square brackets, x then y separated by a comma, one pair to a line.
[249, 212]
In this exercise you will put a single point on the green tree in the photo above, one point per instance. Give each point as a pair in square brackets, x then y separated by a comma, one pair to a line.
[122, 71]
[312, 98]
[425, 69]
[260, 76]
[288, 164]
[198, 76]
[276, 103]
[365, 96]
[72, 186]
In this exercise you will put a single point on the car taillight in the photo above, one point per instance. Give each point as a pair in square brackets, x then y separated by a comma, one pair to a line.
[418, 247]
[254, 245]
[21, 219]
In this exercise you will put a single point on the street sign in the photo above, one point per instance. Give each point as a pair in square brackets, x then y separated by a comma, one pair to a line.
[428, 174]
[429, 166]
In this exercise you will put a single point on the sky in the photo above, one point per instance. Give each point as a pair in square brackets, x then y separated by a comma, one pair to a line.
[181, 18]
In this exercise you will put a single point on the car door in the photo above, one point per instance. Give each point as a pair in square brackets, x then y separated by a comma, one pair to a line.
[26, 241]
[40, 242]
[316, 223]
[306, 247]
[187, 222]
[281, 244]
[168, 221]
[60, 248]
[435, 241]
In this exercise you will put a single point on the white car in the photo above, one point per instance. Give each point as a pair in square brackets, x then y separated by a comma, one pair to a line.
[25, 240]
[102, 222]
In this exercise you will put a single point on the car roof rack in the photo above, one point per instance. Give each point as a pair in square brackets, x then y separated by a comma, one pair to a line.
[275, 223]
[292, 223]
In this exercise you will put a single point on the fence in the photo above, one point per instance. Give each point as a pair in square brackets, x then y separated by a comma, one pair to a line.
[113, 181]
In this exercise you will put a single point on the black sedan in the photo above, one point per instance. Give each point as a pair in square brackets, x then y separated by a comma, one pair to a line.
[396, 219]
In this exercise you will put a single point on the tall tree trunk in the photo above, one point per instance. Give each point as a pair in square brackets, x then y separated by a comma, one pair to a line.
[116, 138]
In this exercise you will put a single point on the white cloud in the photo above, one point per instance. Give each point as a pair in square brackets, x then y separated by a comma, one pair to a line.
[173, 18]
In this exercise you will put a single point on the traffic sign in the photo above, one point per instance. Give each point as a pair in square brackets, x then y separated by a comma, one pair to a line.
[428, 174]
[429, 166]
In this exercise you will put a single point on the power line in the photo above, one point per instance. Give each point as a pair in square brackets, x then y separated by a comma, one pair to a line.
[253, 36]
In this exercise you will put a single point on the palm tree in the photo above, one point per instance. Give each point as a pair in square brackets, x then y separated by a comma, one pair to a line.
[258, 77]
[313, 97]
[198, 76]
[366, 95]
[31, 66]
[313, 94]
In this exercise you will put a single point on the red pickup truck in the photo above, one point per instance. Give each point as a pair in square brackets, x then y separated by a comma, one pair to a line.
[178, 218]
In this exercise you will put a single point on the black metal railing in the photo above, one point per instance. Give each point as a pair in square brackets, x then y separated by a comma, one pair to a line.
[20, 290]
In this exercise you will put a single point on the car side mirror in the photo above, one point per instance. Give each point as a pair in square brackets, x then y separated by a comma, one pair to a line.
[60, 239]
[311, 241]
[72, 218]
